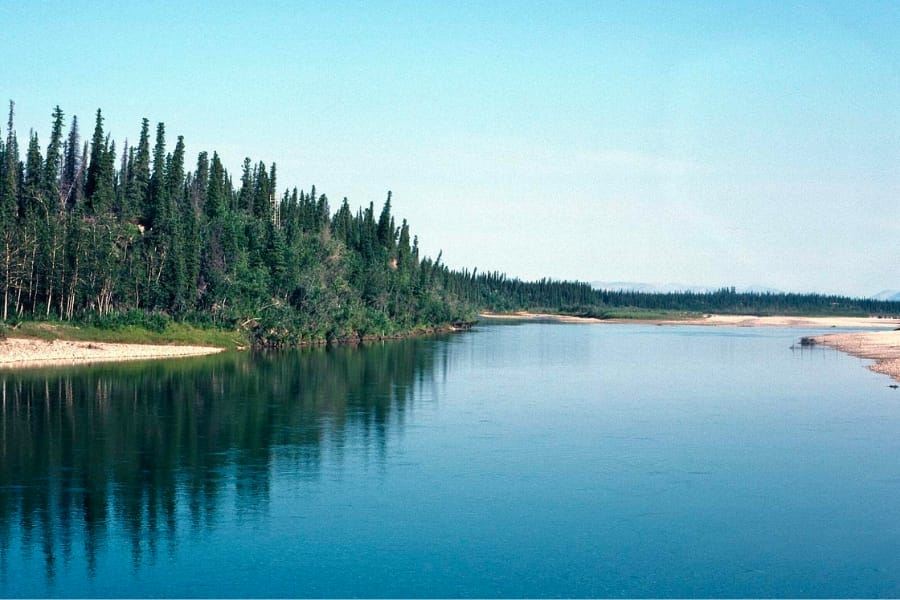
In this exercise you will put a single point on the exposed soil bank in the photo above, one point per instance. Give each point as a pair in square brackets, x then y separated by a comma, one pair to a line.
[881, 346]
[30, 352]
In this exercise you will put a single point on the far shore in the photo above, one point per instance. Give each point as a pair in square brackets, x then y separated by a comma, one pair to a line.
[530, 316]
[715, 320]
[879, 345]
[31, 352]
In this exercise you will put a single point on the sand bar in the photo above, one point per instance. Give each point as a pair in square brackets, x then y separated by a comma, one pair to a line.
[530, 316]
[753, 321]
[717, 320]
[29, 352]
[881, 346]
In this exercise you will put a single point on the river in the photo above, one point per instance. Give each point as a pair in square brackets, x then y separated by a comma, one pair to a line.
[525, 459]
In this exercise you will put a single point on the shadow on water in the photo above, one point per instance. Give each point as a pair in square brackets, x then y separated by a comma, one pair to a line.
[137, 448]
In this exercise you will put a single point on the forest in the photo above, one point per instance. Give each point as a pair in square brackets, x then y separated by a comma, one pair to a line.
[89, 231]
[141, 234]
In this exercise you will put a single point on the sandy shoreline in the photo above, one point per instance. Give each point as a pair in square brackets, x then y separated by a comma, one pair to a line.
[716, 320]
[30, 352]
[752, 321]
[530, 316]
[881, 346]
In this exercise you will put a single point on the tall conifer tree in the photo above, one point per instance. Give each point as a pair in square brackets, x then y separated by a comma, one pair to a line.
[138, 181]
[53, 160]
[71, 166]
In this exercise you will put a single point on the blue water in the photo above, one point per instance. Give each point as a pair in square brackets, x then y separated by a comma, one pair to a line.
[535, 459]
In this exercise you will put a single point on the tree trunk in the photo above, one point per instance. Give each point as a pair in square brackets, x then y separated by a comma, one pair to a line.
[6, 279]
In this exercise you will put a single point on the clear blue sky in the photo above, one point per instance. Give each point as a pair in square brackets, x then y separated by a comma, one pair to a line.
[713, 143]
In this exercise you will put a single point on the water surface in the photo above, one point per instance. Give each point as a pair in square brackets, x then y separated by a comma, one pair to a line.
[514, 460]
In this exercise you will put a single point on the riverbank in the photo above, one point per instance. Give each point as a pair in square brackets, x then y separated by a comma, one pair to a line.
[36, 344]
[881, 346]
[715, 320]
[32, 352]
[523, 315]
[776, 321]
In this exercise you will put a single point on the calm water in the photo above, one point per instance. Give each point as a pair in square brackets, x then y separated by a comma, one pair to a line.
[514, 460]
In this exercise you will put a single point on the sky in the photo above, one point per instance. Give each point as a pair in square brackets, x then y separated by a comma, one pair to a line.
[705, 143]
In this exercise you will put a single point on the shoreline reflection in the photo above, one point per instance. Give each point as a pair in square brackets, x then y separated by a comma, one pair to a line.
[148, 450]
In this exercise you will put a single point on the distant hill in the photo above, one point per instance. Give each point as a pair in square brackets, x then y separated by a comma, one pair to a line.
[888, 295]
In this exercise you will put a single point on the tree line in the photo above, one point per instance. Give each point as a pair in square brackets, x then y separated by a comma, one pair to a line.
[92, 231]
[138, 234]
[499, 292]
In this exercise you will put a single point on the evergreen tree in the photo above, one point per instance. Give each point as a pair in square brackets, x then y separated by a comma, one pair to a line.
[385, 227]
[71, 174]
[98, 188]
[9, 190]
[158, 217]
[342, 224]
[138, 178]
[158, 202]
[54, 158]
[9, 178]
[32, 194]
[179, 214]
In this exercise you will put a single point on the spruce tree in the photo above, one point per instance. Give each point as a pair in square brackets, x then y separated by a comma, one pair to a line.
[9, 190]
[138, 178]
[98, 189]
[71, 167]
[385, 228]
[157, 205]
[158, 238]
[32, 194]
[176, 276]
[9, 178]
[53, 160]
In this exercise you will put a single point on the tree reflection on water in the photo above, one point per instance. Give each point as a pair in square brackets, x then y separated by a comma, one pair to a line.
[137, 447]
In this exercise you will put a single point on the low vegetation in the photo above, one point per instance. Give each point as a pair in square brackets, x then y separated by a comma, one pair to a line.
[171, 333]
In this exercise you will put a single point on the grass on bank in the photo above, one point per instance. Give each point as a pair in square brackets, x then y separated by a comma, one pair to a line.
[642, 314]
[172, 333]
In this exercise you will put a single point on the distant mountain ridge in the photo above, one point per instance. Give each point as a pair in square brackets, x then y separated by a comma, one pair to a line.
[888, 295]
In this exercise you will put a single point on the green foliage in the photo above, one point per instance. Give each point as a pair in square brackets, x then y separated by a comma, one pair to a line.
[173, 333]
[153, 247]
[151, 321]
